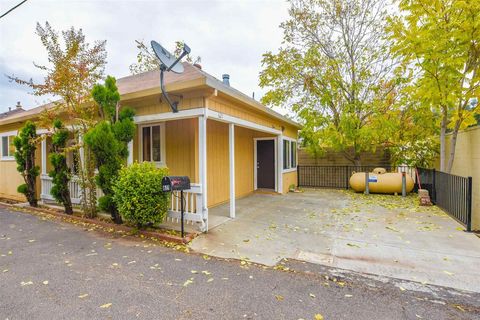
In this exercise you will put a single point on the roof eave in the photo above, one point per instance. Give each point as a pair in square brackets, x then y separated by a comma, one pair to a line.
[247, 100]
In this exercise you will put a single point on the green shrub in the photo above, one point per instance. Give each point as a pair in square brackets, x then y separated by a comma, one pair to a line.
[25, 145]
[138, 194]
[60, 172]
[109, 140]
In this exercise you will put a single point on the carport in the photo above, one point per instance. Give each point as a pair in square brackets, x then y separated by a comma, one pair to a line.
[376, 234]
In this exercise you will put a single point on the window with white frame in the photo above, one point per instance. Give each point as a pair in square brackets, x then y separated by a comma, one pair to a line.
[289, 154]
[8, 149]
[153, 143]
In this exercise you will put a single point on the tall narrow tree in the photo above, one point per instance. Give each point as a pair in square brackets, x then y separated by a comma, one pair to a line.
[60, 173]
[26, 144]
[109, 140]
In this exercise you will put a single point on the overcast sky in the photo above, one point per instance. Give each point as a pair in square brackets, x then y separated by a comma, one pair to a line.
[230, 36]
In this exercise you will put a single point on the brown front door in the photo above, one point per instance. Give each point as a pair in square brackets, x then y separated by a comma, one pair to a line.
[265, 164]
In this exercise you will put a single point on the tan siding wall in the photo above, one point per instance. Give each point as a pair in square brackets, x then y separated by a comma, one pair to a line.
[180, 147]
[218, 175]
[10, 179]
[217, 163]
[467, 163]
[154, 105]
[289, 178]
[243, 112]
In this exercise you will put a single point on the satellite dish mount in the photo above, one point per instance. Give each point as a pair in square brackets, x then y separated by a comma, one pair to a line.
[168, 62]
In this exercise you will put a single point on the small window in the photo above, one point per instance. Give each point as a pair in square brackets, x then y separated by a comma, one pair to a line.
[152, 144]
[289, 155]
[8, 149]
[286, 154]
[293, 154]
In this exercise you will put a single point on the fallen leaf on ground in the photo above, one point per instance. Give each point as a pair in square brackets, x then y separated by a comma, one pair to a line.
[83, 295]
[447, 272]
[279, 297]
[45, 282]
[311, 295]
[392, 229]
[188, 282]
[353, 245]
[23, 283]
[348, 296]
[106, 305]
[460, 308]
[318, 316]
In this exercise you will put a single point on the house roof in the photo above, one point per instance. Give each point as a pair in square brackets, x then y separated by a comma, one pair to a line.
[11, 112]
[149, 83]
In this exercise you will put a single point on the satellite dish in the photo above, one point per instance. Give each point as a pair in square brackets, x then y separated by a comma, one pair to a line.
[168, 62]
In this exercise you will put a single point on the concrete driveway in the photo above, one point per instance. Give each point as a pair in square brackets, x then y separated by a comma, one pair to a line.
[376, 234]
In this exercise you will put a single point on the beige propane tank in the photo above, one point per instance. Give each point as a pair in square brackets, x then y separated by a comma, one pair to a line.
[388, 182]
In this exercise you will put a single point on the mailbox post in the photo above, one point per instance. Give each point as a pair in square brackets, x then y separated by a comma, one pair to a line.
[177, 183]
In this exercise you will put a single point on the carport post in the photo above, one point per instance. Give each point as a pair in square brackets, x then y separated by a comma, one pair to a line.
[231, 145]
[367, 189]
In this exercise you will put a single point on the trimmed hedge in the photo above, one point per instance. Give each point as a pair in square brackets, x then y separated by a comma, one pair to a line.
[138, 194]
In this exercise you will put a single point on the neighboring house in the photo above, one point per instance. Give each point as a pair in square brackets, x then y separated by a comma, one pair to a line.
[18, 109]
[227, 143]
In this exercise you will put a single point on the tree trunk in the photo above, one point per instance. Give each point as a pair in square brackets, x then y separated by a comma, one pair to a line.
[31, 181]
[453, 144]
[443, 131]
[356, 160]
[116, 217]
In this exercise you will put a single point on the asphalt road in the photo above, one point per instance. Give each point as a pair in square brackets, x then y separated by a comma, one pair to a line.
[54, 270]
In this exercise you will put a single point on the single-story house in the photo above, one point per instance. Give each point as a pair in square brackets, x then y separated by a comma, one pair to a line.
[227, 143]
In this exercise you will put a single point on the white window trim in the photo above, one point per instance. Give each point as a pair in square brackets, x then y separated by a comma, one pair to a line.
[290, 154]
[6, 134]
[163, 161]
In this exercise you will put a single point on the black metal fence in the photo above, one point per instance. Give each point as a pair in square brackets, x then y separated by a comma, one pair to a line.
[338, 176]
[450, 192]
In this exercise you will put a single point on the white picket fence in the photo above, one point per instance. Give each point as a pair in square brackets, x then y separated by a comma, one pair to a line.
[193, 203]
[193, 206]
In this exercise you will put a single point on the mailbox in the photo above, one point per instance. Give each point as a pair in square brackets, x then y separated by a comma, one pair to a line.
[175, 183]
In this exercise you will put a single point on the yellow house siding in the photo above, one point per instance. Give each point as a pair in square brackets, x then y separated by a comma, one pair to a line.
[217, 163]
[10, 179]
[289, 178]
[180, 147]
[244, 112]
[467, 163]
[218, 175]
[243, 161]
[155, 105]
